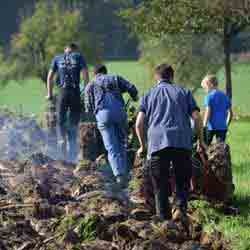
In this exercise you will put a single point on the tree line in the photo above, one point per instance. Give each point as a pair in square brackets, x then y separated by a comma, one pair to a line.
[196, 35]
[47, 25]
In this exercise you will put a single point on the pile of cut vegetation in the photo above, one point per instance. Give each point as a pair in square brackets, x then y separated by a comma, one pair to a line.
[48, 204]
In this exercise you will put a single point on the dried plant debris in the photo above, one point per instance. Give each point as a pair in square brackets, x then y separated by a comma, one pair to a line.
[46, 204]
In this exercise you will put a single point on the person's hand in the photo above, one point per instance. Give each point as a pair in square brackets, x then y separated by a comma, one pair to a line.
[141, 151]
[201, 147]
[135, 99]
[49, 97]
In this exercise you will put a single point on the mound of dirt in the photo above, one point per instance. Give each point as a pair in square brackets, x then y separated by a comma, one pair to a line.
[52, 206]
[46, 204]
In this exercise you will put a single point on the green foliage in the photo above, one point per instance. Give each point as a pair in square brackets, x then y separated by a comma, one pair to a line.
[158, 17]
[5, 69]
[45, 34]
[225, 18]
[134, 185]
[107, 27]
[235, 228]
[205, 213]
[84, 227]
[15, 95]
[190, 56]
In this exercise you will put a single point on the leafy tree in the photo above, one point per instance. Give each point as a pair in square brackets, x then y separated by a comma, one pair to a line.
[45, 34]
[99, 16]
[225, 18]
[103, 21]
[186, 54]
[5, 68]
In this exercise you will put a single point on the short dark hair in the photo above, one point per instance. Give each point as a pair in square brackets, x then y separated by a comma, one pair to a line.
[100, 69]
[72, 46]
[165, 71]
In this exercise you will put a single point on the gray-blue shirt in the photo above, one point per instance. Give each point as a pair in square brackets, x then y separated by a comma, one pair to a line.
[168, 108]
[105, 92]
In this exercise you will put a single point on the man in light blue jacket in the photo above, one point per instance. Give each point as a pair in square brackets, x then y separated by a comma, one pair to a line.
[103, 97]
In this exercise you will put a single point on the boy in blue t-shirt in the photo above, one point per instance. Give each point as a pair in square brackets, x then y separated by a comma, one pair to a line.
[218, 110]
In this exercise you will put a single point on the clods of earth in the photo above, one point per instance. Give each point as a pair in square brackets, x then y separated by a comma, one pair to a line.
[48, 204]
[60, 206]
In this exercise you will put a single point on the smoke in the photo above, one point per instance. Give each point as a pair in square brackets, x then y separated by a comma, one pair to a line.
[20, 138]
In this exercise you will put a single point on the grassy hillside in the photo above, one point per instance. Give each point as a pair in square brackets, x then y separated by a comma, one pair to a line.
[237, 228]
[241, 86]
[30, 94]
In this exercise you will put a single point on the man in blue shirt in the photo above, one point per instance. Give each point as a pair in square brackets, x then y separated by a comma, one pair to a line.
[166, 112]
[69, 67]
[218, 110]
[103, 97]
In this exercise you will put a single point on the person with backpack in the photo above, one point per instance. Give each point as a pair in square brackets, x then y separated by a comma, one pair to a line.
[69, 66]
[218, 111]
[103, 97]
[166, 111]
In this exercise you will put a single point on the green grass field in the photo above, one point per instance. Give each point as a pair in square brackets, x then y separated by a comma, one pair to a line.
[241, 87]
[237, 228]
[29, 96]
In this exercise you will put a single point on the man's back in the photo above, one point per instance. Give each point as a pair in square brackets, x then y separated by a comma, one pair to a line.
[106, 91]
[69, 67]
[168, 109]
[219, 103]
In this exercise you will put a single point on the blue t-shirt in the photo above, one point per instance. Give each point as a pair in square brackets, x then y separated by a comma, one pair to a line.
[69, 66]
[219, 103]
[168, 109]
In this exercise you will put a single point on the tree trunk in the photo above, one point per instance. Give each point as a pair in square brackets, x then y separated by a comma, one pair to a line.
[227, 62]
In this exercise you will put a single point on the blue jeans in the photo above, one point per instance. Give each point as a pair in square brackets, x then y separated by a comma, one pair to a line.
[73, 145]
[113, 128]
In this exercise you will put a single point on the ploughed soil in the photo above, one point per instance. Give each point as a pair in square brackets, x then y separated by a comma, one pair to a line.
[48, 204]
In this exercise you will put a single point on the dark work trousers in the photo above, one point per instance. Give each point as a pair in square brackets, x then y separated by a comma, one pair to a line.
[69, 113]
[160, 164]
[219, 134]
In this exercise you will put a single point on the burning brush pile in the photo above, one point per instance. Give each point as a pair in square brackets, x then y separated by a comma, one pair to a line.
[46, 204]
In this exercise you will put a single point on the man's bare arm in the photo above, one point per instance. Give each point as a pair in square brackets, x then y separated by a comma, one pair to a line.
[140, 132]
[199, 128]
[50, 84]
[85, 75]
[230, 117]
[207, 116]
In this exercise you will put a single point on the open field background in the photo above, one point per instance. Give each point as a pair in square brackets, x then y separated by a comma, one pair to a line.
[237, 228]
[30, 93]
[29, 97]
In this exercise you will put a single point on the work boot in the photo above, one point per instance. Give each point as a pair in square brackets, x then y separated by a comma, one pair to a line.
[63, 148]
[121, 180]
[179, 214]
